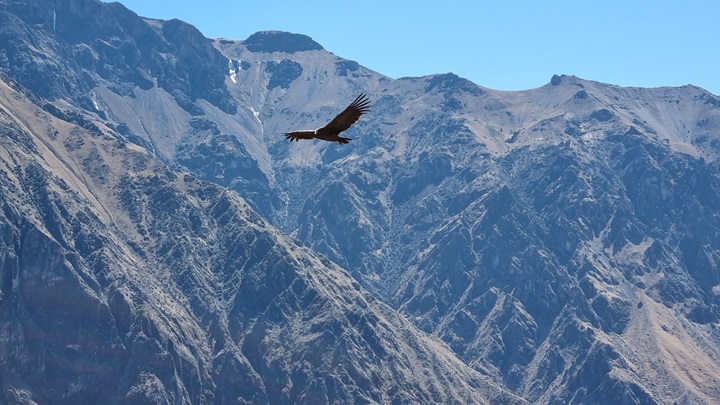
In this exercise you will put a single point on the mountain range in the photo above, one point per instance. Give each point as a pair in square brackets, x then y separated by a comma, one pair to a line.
[162, 242]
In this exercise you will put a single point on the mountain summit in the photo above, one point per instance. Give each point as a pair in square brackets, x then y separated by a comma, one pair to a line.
[279, 41]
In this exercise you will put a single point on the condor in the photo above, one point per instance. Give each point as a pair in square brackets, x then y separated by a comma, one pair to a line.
[331, 131]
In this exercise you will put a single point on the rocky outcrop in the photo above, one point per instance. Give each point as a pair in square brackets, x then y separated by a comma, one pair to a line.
[278, 41]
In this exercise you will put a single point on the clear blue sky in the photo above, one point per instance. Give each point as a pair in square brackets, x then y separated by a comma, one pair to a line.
[505, 45]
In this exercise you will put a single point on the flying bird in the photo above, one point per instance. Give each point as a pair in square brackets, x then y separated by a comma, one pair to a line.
[343, 121]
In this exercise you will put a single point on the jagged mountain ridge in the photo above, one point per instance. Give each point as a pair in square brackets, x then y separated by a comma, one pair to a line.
[126, 282]
[560, 239]
[510, 224]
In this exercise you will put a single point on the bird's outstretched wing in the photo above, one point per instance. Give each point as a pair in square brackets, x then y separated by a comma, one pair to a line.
[295, 135]
[348, 117]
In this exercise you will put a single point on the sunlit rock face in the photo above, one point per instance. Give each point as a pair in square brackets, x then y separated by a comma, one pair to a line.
[125, 281]
[558, 244]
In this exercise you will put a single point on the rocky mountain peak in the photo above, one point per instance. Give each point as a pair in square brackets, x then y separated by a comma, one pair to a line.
[280, 41]
[62, 49]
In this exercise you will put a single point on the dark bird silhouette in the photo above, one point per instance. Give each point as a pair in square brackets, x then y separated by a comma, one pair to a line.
[343, 121]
